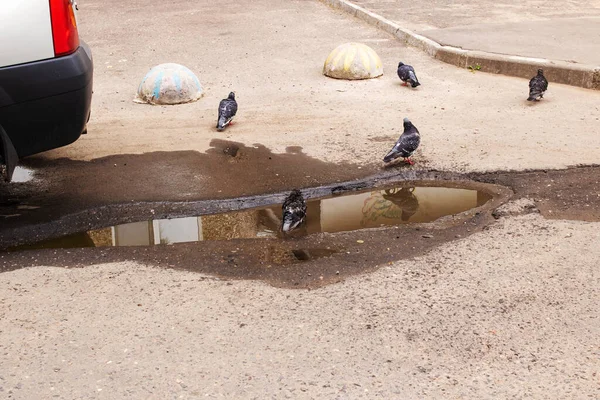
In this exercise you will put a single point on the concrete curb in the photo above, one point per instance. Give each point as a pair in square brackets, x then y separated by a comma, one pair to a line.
[582, 75]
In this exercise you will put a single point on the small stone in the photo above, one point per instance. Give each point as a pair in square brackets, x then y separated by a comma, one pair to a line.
[428, 236]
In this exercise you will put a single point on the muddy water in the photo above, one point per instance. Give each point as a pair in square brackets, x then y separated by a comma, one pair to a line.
[368, 209]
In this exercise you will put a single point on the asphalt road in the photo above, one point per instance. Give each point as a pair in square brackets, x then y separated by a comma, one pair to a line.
[508, 312]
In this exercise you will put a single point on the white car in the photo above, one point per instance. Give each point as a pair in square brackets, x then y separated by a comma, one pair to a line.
[45, 78]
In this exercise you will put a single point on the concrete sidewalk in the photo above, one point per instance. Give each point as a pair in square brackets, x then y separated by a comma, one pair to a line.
[575, 40]
[502, 37]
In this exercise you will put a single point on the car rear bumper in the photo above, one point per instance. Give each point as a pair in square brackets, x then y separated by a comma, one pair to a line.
[46, 104]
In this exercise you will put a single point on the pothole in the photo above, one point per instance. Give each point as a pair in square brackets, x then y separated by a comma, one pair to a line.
[353, 228]
[345, 212]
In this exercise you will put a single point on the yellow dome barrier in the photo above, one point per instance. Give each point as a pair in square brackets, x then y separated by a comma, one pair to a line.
[353, 61]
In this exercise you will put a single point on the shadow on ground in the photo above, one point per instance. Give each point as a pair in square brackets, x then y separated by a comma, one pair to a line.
[226, 170]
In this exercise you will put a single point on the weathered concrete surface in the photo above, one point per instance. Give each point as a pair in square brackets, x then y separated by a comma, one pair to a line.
[381, 14]
[469, 121]
[574, 40]
[510, 312]
[507, 313]
[439, 14]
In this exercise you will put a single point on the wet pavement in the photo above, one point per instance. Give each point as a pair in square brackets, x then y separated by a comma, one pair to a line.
[323, 258]
[220, 228]
[227, 170]
[327, 251]
[306, 262]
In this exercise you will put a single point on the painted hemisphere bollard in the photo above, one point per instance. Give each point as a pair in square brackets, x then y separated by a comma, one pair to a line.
[353, 61]
[169, 84]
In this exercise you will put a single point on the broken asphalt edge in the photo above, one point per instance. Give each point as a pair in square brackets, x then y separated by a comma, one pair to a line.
[574, 74]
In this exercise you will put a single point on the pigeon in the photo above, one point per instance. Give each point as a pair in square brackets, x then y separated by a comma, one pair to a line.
[227, 109]
[406, 144]
[537, 86]
[405, 199]
[407, 75]
[294, 211]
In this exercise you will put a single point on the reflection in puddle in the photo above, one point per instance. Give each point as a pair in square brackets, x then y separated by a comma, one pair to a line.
[355, 211]
[21, 174]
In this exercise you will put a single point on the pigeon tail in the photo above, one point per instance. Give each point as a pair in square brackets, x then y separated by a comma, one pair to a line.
[533, 95]
[223, 122]
[289, 225]
[412, 78]
[392, 155]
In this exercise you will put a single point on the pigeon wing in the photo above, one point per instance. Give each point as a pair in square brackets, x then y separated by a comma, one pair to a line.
[227, 108]
[404, 147]
[408, 144]
[413, 78]
[533, 82]
[537, 86]
[544, 83]
[403, 72]
[411, 75]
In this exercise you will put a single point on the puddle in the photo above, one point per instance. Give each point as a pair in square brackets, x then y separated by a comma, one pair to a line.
[346, 212]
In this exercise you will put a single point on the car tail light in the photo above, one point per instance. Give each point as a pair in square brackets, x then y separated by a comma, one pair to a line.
[64, 27]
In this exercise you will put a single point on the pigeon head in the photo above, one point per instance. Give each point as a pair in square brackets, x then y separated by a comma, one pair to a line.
[296, 193]
[231, 96]
[407, 124]
[400, 64]
[540, 71]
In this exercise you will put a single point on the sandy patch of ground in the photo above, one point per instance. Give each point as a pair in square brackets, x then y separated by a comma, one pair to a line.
[273, 58]
[509, 312]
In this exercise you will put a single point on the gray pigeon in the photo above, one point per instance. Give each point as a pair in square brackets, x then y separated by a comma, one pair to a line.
[406, 144]
[537, 86]
[227, 109]
[294, 211]
[407, 74]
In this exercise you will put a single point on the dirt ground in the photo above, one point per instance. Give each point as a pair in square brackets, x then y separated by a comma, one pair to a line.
[502, 304]
[464, 321]
[468, 121]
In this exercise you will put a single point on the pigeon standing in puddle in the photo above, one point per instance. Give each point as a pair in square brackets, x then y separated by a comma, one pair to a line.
[294, 211]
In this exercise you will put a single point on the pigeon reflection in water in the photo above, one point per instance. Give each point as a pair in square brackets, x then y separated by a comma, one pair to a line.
[391, 205]
[404, 199]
